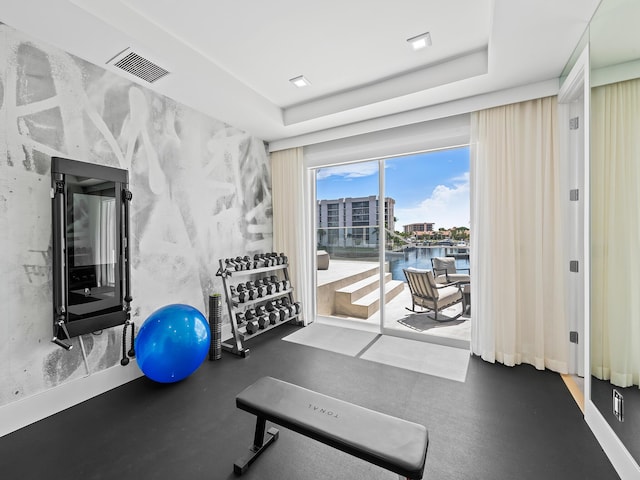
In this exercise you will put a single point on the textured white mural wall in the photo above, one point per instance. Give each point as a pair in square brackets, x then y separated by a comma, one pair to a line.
[201, 192]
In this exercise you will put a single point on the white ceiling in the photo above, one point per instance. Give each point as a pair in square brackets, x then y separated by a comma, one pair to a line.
[232, 59]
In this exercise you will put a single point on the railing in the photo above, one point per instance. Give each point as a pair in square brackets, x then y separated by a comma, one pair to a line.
[361, 242]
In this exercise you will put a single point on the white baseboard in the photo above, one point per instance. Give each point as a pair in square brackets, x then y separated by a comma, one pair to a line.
[619, 456]
[26, 411]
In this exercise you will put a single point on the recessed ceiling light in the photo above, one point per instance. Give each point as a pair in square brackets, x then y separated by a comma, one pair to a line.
[420, 41]
[300, 81]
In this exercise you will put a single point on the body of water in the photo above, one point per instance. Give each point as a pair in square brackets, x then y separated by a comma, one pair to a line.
[417, 258]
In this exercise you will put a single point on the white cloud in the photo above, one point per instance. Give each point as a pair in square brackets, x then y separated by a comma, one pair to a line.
[352, 170]
[448, 206]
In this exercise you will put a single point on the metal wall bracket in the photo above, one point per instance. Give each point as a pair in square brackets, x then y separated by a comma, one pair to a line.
[574, 123]
[618, 405]
[574, 195]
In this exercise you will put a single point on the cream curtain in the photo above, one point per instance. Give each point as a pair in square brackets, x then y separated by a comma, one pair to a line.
[288, 180]
[516, 259]
[615, 233]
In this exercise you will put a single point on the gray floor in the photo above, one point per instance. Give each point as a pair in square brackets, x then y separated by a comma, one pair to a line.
[346, 341]
[500, 424]
[428, 358]
[418, 356]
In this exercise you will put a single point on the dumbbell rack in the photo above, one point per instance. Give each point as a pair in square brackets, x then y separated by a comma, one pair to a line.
[240, 333]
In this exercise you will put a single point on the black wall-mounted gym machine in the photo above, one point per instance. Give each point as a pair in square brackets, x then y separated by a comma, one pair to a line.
[91, 274]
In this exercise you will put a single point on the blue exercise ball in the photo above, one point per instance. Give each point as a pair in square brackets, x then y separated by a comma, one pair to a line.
[172, 343]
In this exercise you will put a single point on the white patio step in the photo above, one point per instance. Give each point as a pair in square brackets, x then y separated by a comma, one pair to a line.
[352, 292]
[369, 304]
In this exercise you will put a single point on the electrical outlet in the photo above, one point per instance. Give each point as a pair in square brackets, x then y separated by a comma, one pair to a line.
[618, 405]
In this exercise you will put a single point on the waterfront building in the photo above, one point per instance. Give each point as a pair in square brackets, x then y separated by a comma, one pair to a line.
[419, 229]
[352, 220]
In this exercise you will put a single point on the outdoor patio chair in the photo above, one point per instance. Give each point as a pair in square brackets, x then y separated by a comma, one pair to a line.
[426, 293]
[445, 271]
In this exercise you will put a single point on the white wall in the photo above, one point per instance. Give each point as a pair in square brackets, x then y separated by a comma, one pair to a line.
[201, 192]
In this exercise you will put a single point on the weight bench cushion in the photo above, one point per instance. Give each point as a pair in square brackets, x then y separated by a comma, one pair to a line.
[391, 443]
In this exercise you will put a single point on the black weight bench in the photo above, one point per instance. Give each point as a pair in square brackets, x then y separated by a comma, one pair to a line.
[391, 443]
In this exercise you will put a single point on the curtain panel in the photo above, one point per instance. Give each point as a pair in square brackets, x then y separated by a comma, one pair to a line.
[290, 207]
[517, 250]
[615, 233]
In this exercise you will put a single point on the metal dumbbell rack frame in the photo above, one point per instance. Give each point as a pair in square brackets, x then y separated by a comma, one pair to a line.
[240, 334]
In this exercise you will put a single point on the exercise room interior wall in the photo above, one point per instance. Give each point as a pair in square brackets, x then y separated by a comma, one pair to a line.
[201, 192]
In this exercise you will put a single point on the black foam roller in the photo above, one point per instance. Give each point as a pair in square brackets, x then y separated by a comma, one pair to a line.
[215, 326]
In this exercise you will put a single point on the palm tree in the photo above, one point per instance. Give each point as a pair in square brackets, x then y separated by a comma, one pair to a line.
[321, 234]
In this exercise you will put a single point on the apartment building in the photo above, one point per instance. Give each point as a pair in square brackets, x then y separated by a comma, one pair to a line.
[352, 221]
[419, 229]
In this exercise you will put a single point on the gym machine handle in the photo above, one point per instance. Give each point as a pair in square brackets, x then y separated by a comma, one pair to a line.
[59, 342]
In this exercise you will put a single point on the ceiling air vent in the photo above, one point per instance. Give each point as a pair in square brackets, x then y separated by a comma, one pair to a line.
[139, 66]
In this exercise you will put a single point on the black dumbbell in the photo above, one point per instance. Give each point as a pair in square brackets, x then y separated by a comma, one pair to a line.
[273, 316]
[240, 261]
[252, 326]
[240, 318]
[234, 292]
[233, 265]
[291, 310]
[263, 321]
[243, 296]
[285, 304]
[261, 310]
[284, 260]
[285, 285]
[270, 289]
[241, 287]
[262, 290]
[250, 314]
[298, 307]
[283, 313]
[253, 294]
[270, 306]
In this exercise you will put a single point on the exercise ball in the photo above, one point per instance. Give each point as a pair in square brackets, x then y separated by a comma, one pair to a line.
[172, 343]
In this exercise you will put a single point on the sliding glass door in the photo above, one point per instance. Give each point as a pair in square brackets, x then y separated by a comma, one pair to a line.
[348, 244]
[377, 218]
[429, 228]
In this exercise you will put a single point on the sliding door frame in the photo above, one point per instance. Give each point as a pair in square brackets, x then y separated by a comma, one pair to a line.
[382, 245]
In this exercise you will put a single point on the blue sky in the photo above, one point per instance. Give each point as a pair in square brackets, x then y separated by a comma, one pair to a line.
[427, 187]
